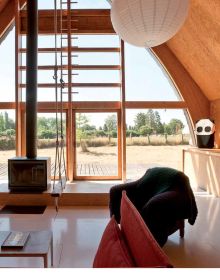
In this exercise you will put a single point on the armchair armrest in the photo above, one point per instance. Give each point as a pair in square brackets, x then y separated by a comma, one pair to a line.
[116, 195]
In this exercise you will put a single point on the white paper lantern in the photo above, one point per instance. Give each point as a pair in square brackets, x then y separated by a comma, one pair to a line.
[148, 23]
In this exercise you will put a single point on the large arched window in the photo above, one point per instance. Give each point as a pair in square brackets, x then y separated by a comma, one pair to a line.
[146, 104]
[7, 99]
[157, 126]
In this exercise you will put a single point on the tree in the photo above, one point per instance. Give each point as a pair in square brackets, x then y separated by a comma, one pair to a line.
[150, 120]
[176, 126]
[145, 130]
[132, 133]
[140, 120]
[167, 129]
[2, 123]
[110, 126]
[105, 128]
[7, 126]
[111, 123]
[159, 126]
[47, 134]
[82, 123]
[100, 133]
[81, 120]
[10, 132]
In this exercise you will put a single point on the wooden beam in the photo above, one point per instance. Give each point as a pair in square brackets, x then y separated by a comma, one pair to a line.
[82, 105]
[82, 22]
[215, 115]
[106, 104]
[92, 85]
[7, 16]
[3, 3]
[70, 114]
[76, 67]
[7, 105]
[123, 113]
[196, 101]
[18, 79]
[94, 105]
[73, 49]
[155, 104]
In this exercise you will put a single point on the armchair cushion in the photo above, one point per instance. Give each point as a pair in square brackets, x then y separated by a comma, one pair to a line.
[143, 247]
[112, 251]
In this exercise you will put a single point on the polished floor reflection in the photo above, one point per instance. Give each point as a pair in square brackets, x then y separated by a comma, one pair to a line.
[77, 232]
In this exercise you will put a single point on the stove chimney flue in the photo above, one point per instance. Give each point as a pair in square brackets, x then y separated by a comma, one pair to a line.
[31, 173]
[31, 79]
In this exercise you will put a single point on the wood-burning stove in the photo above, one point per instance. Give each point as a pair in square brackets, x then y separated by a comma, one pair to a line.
[29, 175]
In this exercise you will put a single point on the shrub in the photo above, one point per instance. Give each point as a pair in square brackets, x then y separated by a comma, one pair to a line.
[7, 143]
[46, 143]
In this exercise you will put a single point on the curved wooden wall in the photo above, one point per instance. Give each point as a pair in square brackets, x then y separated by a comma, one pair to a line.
[197, 103]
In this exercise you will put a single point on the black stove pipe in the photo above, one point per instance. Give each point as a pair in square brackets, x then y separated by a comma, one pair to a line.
[31, 78]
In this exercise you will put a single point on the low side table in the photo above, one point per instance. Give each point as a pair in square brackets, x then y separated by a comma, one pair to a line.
[39, 244]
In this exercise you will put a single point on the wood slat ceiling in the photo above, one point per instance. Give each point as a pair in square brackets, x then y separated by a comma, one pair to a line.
[3, 4]
[197, 45]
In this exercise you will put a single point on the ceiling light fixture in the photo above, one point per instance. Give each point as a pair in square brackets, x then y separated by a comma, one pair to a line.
[148, 23]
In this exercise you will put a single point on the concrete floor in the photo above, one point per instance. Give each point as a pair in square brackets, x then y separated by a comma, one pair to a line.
[77, 232]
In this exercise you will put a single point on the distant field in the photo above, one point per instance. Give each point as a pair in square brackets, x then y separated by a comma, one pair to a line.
[100, 156]
[139, 158]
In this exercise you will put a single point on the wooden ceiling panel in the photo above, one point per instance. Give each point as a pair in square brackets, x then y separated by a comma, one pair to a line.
[83, 22]
[197, 46]
[3, 4]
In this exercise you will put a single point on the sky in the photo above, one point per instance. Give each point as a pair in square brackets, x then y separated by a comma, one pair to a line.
[146, 80]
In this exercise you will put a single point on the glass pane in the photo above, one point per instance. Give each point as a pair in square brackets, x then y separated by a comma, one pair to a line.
[44, 41]
[96, 76]
[99, 41]
[43, 58]
[81, 4]
[43, 76]
[146, 80]
[155, 138]
[46, 76]
[7, 140]
[48, 58]
[81, 58]
[96, 58]
[96, 94]
[46, 133]
[7, 68]
[96, 144]
[48, 94]
[96, 41]
[45, 94]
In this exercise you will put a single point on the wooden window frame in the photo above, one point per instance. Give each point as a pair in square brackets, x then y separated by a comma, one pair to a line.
[70, 107]
[119, 176]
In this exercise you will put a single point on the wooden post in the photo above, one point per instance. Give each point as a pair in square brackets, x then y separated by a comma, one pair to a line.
[18, 91]
[123, 113]
[71, 126]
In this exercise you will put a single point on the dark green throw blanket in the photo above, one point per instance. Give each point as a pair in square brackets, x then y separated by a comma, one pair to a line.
[161, 179]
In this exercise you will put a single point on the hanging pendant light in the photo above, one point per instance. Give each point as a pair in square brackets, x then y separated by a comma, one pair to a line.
[148, 23]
